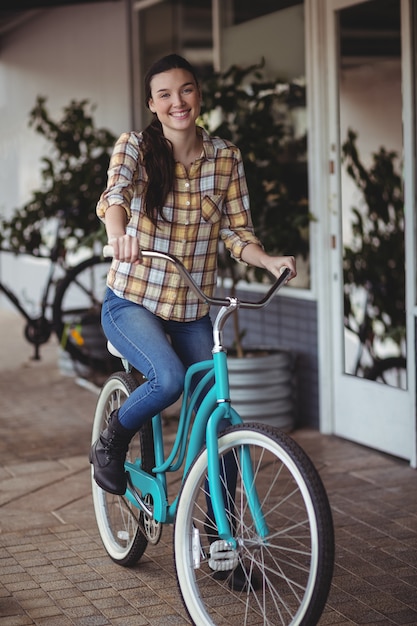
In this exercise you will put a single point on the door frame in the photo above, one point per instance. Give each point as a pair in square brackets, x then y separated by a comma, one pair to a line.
[409, 86]
[323, 117]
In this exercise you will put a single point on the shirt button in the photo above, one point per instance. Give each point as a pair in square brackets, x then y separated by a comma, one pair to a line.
[187, 185]
[187, 203]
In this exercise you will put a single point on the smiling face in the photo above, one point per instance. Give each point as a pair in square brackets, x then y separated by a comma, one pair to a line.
[175, 99]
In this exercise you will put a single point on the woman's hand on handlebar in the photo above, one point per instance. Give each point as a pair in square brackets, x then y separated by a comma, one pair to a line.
[126, 249]
[253, 254]
[277, 264]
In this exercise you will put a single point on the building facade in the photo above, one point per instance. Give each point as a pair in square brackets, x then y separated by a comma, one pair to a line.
[355, 303]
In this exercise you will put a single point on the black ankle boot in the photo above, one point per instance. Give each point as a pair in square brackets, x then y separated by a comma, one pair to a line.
[108, 455]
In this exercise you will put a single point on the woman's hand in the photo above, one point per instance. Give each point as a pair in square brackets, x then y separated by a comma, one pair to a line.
[255, 255]
[125, 248]
[277, 264]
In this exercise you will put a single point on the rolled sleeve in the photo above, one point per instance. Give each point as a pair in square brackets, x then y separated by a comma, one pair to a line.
[121, 176]
[237, 227]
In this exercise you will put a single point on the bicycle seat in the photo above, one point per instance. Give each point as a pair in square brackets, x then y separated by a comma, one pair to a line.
[114, 351]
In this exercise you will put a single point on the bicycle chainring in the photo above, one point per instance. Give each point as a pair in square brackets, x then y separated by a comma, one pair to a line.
[152, 529]
[38, 331]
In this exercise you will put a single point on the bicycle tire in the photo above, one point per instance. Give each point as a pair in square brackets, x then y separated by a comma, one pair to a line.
[293, 565]
[117, 519]
[390, 371]
[76, 314]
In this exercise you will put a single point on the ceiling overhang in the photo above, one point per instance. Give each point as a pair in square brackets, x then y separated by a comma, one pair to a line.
[14, 12]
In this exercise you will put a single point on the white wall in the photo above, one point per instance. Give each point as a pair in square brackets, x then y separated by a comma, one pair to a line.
[278, 37]
[65, 53]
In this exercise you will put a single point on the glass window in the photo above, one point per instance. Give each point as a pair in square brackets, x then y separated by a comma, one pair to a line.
[244, 10]
[372, 196]
[278, 183]
[181, 26]
[275, 30]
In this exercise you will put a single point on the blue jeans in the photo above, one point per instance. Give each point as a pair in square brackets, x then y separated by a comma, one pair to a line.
[161, 350]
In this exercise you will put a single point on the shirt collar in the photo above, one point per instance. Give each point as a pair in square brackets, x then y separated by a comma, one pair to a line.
[207, 144]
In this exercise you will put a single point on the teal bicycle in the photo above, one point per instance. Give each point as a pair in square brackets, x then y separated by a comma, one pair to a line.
[253, 533]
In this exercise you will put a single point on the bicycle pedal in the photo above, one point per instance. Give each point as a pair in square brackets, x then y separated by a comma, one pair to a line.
[223, 558]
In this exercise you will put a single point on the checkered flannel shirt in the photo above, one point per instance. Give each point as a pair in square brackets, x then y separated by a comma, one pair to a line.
[208, 202]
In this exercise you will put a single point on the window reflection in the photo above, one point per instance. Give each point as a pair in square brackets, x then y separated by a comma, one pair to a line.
[277, 145]
[372, 192]
[240, 11]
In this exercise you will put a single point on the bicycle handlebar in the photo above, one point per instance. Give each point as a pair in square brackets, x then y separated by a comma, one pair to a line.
[184, 273]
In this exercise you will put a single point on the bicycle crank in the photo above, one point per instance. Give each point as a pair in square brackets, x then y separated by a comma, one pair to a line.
[153, 529]
[37, 332]
[148, 525]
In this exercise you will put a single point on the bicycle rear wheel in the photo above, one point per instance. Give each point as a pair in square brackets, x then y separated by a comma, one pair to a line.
[77, 314]
[287, 575]
[117, 519]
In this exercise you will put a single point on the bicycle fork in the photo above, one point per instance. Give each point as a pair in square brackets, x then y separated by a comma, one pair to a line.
[215, 477]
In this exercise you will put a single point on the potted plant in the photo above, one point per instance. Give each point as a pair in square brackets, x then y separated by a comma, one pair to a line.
[73, 177]
[257, 114]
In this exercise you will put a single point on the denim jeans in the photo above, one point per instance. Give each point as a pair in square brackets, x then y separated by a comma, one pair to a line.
[161, 350]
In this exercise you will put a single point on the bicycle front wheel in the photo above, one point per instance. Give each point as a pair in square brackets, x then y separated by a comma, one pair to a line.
[118, 520]
[77, 314]
[281, 578]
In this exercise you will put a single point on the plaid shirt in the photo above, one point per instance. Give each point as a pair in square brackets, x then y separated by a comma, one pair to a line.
[208, 202]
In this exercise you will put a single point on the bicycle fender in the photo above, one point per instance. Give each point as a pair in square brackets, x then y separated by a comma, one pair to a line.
[147, 484]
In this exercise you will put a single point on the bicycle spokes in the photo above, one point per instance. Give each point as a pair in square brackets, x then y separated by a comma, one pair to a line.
[281, 577]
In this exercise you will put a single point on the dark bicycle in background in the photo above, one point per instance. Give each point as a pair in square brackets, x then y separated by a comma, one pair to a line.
[70, 307]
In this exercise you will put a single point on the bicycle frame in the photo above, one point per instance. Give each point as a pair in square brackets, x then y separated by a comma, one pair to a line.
[38, 322]
[44, 300]
[215, 407]
[53, 258]
[205, 429]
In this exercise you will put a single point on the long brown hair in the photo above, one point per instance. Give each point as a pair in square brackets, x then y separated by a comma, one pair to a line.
[158, 154]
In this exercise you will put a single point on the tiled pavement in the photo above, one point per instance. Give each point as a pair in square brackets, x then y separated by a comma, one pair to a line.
[53, 569]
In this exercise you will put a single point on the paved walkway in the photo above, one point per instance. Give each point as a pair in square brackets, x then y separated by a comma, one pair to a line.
[54, 571]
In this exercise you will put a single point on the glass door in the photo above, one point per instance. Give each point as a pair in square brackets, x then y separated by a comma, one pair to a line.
[372, 391]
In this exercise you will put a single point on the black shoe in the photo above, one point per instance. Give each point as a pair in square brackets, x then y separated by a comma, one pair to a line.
[108, 455]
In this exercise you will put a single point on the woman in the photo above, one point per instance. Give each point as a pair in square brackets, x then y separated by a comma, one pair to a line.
[174, 189]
